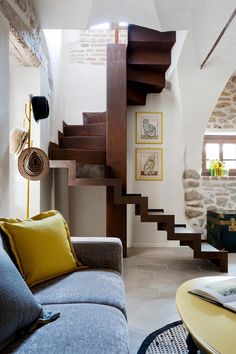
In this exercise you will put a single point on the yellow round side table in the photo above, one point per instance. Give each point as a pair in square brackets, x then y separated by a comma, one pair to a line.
[212, 327]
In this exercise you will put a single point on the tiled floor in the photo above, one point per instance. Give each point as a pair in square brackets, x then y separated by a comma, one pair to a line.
[152, 277]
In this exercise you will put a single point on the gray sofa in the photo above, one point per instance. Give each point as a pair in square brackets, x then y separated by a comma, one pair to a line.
[91, 303]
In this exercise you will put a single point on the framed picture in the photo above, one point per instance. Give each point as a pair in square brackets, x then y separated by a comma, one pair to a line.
[149, 164]
[149, 128]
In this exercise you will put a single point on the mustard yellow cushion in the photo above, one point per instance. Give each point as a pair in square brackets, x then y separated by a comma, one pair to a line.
[41, 246]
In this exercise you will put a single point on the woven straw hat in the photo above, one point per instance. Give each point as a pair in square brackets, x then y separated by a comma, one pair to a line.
[18, 139]
[33, 164]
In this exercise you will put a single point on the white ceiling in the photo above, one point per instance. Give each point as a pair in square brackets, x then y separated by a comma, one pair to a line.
[158, 14]
[81, 14]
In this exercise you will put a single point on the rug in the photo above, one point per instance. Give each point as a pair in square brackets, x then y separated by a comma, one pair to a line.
[170, 339]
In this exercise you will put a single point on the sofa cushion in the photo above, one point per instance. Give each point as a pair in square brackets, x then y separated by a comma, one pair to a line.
[18, 308]
[82, 329]
[41, 246]
[91, 286]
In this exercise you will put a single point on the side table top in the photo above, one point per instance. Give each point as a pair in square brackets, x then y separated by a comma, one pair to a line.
[211, 326]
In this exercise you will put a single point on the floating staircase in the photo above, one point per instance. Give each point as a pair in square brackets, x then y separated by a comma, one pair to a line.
[175, 232]
[148, 58]
[84, 149]
[86, 144]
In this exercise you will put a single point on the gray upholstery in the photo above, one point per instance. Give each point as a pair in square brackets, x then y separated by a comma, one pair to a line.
[90, 286]
[91, 302]
[81, 329]
[99, 252]
[18, 308]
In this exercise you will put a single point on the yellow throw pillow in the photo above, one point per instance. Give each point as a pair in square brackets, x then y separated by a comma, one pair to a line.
[41, 246]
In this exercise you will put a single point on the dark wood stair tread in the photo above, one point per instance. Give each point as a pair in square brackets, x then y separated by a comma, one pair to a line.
[98, 129]
[83, 142]
[84, 156]
[138, 36]
[146, 77]
[155, 211]
[94, 117]
[134, 95]
[148, 57]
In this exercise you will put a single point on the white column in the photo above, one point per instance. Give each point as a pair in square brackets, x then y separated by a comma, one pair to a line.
[4, 116]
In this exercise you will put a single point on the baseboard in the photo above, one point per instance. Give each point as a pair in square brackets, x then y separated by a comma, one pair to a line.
[154, 244]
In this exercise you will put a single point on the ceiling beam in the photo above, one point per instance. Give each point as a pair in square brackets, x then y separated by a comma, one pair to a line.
[25, 41]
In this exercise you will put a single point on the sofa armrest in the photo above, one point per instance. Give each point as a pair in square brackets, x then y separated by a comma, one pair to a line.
[99, 252]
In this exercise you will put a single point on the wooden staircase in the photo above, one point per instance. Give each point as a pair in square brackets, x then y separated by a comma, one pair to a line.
[148, 58]
[175, 232]
[86, 144]
[95, 153]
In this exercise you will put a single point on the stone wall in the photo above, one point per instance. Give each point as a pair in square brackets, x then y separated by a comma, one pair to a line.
[90, 46]
[25, 39]
[206, 193]
[223, 116]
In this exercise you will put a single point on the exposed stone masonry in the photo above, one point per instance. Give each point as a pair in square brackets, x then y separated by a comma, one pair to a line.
[203, 193]
[224, 113]
[25, 38]
[91, 46]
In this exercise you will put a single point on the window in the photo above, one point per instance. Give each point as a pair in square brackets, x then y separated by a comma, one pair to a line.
[219, 147]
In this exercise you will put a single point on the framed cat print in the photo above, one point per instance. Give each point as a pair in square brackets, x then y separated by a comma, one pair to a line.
[149, 164]
[149, 128]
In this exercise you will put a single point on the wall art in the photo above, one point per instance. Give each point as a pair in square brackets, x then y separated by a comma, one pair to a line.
[149, 164]
[149, 128]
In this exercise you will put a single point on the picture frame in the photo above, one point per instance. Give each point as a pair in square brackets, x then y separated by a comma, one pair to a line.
[149, 164]
[149, 127]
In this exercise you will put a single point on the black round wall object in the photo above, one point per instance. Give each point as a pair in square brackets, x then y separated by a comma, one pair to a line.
[40, 107]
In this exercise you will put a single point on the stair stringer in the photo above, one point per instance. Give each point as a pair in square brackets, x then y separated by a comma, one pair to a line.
[164, 222]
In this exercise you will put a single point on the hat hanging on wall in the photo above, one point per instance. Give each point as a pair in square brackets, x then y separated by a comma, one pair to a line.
[40, 107]
[33, 164]
[18, 140]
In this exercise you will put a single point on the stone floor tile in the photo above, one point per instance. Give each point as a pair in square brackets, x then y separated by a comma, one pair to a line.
[152, 276]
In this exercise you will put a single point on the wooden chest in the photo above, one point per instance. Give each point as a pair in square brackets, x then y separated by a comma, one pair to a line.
[221, 229]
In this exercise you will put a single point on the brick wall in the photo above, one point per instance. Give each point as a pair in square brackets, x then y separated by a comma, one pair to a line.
[90, 46]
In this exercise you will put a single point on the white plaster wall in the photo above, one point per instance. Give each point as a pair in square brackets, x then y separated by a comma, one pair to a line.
[46, 184]
[168, 193]
[84, 85]
[50, 87]
[84, 90]
[200, 89]
[55, 82]
[4, 116]
[76, 88]
[23, 81]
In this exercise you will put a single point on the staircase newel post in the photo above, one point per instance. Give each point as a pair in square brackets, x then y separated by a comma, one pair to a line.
[116, 135]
